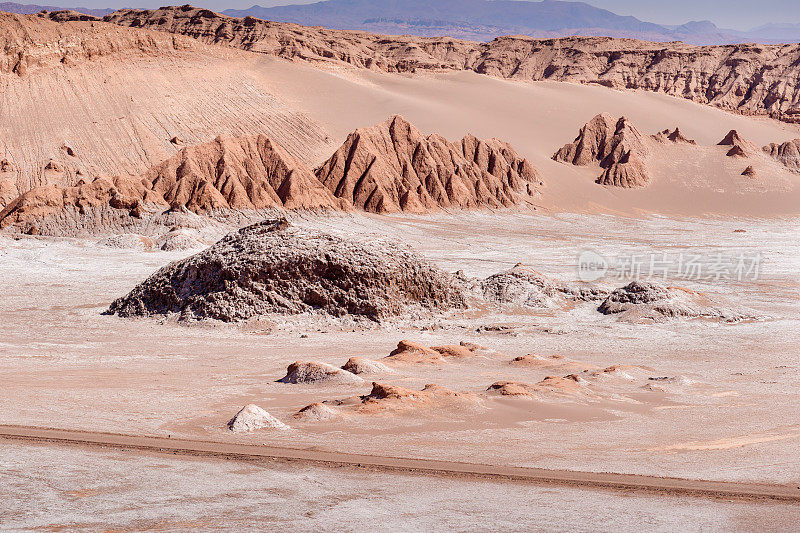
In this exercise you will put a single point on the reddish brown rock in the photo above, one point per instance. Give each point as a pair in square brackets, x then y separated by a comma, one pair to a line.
[248, 172]
[392, 167]
[739, 146]
[616, 145]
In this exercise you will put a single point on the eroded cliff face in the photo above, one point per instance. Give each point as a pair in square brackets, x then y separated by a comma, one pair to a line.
[30, 42]
[745, 78]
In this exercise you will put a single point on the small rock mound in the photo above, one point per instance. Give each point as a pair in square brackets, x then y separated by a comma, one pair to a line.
[385, 397]
[750, 172]
[512, 388]
[522, 285]
[318, 412]
[616, 145]
[570, 385]
[273, 267]
[313, 372]
[647, 301]
[787, 153]
[362, 365]
[624, 372]
[674, 136]
[552, 363]
[181, 239]
[252, 417]
[414, 352]
[392, 167]
[739, 146]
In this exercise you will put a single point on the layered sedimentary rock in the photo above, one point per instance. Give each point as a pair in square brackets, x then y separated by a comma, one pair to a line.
[787, 153]
[273, 267]
[746, 78]
[31, 42]
[615, 145]
[393, 167]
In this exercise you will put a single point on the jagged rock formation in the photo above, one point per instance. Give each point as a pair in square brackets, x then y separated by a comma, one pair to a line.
[121, 193]
[787, 153]
[248, 172]
[273, 267]
[675, 136]
[739, 146]
[646, 301]
[616, 145]
[745, 78]
[521, 285]
[389, 168]
[252, 417]
[313, 372]
[392, 167]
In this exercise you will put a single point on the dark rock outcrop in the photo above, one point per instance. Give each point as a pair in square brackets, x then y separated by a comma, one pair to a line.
[273, 267]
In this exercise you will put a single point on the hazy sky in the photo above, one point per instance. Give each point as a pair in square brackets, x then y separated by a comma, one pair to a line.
[737, 14]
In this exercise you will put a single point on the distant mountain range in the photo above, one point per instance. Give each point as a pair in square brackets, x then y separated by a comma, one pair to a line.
[483, 20]
[27, 9]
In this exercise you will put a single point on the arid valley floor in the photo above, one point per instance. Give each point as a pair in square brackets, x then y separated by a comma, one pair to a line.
[518, 363]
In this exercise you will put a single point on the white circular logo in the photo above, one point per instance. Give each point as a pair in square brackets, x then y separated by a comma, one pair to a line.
[591, 266]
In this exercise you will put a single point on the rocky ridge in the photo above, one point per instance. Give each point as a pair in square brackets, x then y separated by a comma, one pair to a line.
[745, 78]
[388, 168]
[393, 167]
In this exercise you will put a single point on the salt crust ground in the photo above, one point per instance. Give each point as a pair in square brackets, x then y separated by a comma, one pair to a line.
[69, 366]
[42, 487]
